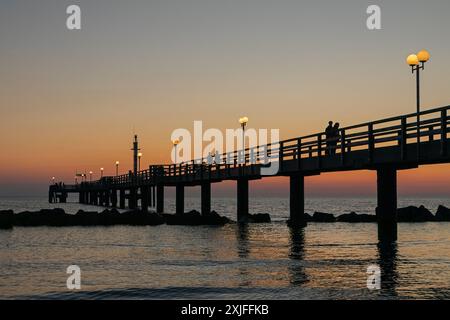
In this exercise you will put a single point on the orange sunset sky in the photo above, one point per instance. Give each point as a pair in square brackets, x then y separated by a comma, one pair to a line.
[71, 99]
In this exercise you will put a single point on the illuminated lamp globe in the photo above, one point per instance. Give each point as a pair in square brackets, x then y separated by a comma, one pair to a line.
[423, 56]
[412, 60]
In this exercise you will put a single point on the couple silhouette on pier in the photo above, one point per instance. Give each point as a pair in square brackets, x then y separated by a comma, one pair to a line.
[332, 137]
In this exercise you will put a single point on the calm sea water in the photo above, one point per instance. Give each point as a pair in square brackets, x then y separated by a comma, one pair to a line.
[260, 261]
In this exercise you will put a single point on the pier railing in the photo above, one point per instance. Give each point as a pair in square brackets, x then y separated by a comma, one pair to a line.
[395, 131]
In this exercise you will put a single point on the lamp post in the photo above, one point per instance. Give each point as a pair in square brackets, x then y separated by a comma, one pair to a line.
[417, 63]
[139, 161]
[90, 176]
[101, 172]
[53, 180]
[175, 142]
[76, 180]
[243, 121]
[117, 168]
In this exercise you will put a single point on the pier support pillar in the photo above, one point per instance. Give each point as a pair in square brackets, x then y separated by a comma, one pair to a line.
[387, 203]
[114, 198]
[107, 197]
[91, 197]
[101, 198]
[297, 201]
[206, 198]
[122, 199]
[95, 198]
[149, 196]
[179, 198]
[160, 198]
[144, 199]
[242, 199]
[132, 200]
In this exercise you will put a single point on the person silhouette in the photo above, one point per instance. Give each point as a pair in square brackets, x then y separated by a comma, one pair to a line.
[328, 135]
[335, 136]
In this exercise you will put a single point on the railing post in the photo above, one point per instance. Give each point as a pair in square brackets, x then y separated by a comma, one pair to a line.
[371, 142]
[342, 146]
[281, 154]
[403, 139]
[444, 132]
[319, 149]
[299, 153]
[430, 133]
[201, 169]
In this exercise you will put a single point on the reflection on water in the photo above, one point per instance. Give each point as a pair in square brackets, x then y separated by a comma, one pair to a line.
[259, 261]
[243, 247]
[297, 252]
[255, 261]
[243, 251]
[387, 261]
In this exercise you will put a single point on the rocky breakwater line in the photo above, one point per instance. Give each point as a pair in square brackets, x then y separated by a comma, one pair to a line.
[58, 218]
[407, 214]
[108, 217]
[195, 218]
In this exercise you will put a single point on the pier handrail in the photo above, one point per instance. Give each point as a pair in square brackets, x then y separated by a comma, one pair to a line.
[365, 136]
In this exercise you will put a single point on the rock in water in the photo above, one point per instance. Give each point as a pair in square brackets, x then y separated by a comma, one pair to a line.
[86, 218]
[255, 218]
[352, 217]
[6, 219]
[195, 218]
[414, 214]
[323, 217]
[306, 218]
[442, 214]
[214, 218]
[138, 218]
[45, 217]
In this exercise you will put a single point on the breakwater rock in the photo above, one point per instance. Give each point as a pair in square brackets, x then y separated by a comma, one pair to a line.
[407, 214]
[442, 214]
[58, 218]
[6, 219]
[353, 217]
[323, 217]
[109, 217]
[113, 217]
[415, 214]
[255, 218]
[195, 218]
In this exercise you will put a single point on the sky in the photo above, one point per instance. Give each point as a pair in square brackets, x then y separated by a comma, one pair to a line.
[71, 99]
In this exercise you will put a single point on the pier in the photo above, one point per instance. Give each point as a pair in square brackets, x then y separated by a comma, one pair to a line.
[385, 146]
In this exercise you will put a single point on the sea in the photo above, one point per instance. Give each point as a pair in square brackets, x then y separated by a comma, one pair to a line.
[254, 261]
